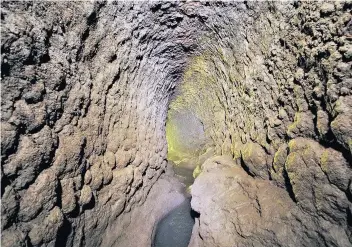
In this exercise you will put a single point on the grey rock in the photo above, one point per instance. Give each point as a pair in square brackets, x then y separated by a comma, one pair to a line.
[13, 237]
[9, 206]
[236, 209]
[85, 93]
[47, 230]
[254, 157]
[327, 8]
[8, 138]
[86, 195]
[68, 197]
[41, 195]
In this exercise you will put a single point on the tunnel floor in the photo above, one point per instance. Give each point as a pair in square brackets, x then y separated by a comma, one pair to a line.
[175, 229]
[184, 174]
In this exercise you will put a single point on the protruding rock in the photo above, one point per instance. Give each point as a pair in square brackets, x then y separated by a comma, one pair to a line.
[255, 158]
[40, 196]
[9, 206]
[8, 138]
[327, 8]
[86, 195]
[107, 174]
[277, 173]
[236, 208]
[87, 177]
[322, 122]
[341, 127]
[47, 230]
[13, 237]
[303, 125]
[109, 159]
[308, 167]
[68, 198]
[34, 152]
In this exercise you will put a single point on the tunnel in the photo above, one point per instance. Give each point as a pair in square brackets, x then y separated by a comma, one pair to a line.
[176, 123]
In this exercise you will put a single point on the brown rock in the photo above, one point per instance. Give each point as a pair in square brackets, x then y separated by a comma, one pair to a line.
[237, 209]
[302, 126]
[322, 122]
[87, 177]
[305, 166]
[341, 127]
[107, 174]
[97, 177]
[277, 173]
[8, 137]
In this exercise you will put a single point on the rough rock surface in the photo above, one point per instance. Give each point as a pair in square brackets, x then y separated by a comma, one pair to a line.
[274, 93]
[239, 210]
[166, 194]
[85, 89]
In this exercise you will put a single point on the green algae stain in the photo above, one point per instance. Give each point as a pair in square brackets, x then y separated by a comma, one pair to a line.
[324, 159]
[197, 171]
[174, 150]
[195, 95]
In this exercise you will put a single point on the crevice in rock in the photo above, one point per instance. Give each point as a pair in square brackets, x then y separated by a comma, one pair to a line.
[349, 191]
[349, 217]
[246, 168]
[288, 186]
[64, 233]
[333, 143]
[195, 214]
[5, 67]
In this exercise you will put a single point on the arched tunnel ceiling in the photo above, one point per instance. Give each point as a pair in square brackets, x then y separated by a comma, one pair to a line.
[86, 88]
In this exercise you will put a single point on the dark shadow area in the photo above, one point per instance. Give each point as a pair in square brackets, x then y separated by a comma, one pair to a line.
[63, 234]
[195, 214]
[90, 205]
[349, 217]
[288, 185]
[246, 168]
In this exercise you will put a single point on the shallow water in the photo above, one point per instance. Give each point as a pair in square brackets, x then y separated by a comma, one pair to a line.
[175, 229]
[184, 174]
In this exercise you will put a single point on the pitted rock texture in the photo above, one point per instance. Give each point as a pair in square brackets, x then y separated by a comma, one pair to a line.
[85, 92]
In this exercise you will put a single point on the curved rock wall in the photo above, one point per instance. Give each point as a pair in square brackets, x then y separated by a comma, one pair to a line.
[85, 90]
[85, 93]
[279, 85]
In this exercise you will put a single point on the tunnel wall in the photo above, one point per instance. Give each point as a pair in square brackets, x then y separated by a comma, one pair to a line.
[184, 134]
[85, 92]
[272, 86]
